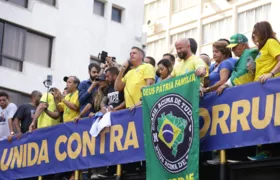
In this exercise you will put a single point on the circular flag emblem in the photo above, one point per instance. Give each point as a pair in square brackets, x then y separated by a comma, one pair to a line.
[172, 131]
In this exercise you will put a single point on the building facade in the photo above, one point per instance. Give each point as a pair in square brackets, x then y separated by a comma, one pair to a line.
[60, 38]
[204, 20]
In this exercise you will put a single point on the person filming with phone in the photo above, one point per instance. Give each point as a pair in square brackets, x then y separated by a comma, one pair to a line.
[69, 105]
[88, 87]
[139, 75]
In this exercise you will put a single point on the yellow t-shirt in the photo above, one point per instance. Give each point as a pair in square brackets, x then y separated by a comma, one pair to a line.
[44, 120]
[266, 60]
[69, 114]
[134, 80]
[185, 66]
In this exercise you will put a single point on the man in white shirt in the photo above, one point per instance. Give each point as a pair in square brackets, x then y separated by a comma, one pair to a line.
[7, 111]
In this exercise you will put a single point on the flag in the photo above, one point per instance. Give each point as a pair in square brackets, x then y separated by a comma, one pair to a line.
[171, 128]
[100, 123]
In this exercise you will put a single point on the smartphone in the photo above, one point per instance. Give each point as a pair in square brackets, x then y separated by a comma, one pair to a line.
[128, 68]
[49, 80]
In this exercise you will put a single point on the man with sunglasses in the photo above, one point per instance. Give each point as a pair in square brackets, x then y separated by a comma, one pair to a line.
[244, 67]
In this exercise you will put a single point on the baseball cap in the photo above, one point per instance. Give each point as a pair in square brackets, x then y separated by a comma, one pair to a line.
[102, 77]
[65, 78]
[76, 80]
[237, 39]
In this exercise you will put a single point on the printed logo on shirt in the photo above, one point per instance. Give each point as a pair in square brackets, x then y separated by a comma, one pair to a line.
[2, 117]
[113, 97]
[32, 112]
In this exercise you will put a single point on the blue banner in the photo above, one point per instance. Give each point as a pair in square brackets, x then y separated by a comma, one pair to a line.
[69, 147]
[242, 116]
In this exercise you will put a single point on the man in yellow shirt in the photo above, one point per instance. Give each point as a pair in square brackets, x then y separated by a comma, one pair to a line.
[47, 106]
[69, 105]
[188, 62]
[138, 76]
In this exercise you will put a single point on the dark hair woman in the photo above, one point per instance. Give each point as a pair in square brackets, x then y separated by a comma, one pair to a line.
[268, 60]
[164, 68]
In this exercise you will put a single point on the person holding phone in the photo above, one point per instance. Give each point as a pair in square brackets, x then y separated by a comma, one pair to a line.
[88, 87]
[69, 104]
[96, 99]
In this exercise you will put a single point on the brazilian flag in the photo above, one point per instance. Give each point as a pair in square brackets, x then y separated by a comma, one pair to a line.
[171, 115]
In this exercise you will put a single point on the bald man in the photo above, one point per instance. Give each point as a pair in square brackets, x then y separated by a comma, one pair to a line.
[188, 62]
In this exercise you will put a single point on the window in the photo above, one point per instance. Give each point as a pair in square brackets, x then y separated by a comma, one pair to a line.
[12, 47]
[179, 5]
[155, 10]
[192, 33]
[247, 19]
[50, 2]
[216, 30]
[116, 14]
[37, 49]
[22, 3]
[156, 49]
[19, 44]
[98, 8]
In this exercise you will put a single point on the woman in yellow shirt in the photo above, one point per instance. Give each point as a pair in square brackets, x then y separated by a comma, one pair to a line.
[268, 60]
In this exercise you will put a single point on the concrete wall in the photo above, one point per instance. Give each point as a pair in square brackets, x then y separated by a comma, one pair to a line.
[78, 33]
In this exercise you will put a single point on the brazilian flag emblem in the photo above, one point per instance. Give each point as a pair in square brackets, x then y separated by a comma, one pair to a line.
[171, 131]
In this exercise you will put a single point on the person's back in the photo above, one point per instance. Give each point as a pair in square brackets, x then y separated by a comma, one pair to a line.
[44, 120]
[25, 113]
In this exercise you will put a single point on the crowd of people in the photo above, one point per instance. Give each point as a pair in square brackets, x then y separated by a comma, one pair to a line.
[112, 87]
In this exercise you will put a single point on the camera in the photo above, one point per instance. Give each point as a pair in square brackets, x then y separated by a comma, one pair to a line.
[103, 55]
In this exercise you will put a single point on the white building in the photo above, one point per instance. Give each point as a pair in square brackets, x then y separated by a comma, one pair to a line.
[60, 38]
[204, 20]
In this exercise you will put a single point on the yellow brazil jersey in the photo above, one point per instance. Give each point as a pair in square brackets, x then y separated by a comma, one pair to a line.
[69, 114]
[266, 60]
[191, 64]
[134, 80]
[44, 120]
[185, 66]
